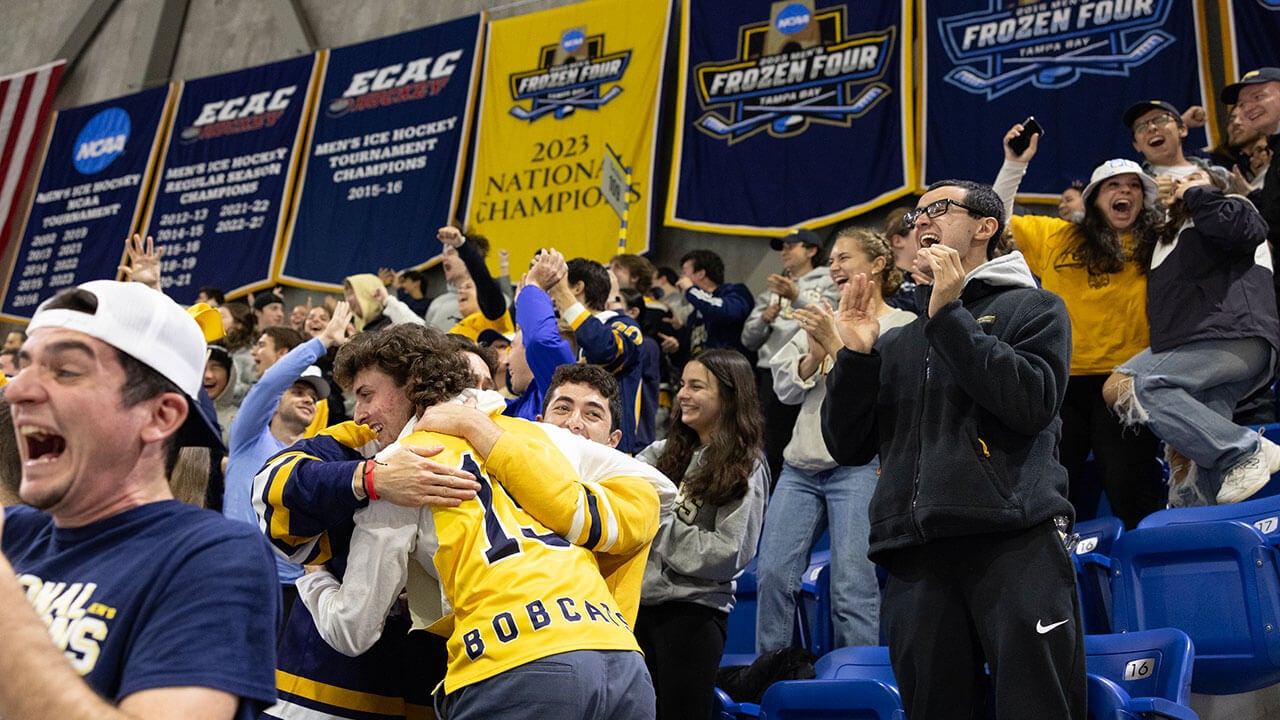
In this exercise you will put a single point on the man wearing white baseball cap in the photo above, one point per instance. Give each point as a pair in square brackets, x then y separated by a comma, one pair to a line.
[115, 599]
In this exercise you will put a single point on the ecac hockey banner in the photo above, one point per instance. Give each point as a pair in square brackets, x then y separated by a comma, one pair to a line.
[88, 199]
[1255, 35]
[559, 86]
[790, 113]
[221, 193]
[384, 167]
[1076, 65]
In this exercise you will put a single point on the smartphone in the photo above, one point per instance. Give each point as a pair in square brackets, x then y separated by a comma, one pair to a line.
[1020, 141]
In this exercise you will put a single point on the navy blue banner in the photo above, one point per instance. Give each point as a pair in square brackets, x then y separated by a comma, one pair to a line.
[221, 193]
[87, 201]
[1255, 35]
[790, 113]
[1075, 66]
[385, 164]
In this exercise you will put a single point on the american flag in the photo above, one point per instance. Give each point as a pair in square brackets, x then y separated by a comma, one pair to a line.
[25, 100]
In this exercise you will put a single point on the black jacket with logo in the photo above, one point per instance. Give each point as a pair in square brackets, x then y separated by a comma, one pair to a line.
[962, 409]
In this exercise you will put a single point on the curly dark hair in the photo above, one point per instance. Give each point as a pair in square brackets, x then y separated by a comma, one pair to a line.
[736, 444]
[419, 359]
[593, 376]
[465, 344]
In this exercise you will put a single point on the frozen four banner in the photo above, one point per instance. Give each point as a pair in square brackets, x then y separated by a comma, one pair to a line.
[384, 166]
[1076, 65]
[559, 87]
[790, 113]
[1255, 35]
[88, 198]
[221, 192]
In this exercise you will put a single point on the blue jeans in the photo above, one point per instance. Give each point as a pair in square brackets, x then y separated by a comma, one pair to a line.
[1188, 395]
[803, 505]
[577, 685]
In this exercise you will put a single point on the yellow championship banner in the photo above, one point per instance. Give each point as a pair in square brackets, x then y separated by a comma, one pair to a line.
[559, 87]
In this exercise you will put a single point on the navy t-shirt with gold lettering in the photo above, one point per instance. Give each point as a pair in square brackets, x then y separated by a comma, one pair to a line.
[161, 595]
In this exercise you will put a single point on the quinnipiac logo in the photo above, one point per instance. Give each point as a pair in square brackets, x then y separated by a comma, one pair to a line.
[797, 68]
[571, 74]
[1050, 43]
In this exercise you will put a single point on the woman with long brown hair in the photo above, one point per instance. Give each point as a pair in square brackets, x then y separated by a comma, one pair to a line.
[713, 453]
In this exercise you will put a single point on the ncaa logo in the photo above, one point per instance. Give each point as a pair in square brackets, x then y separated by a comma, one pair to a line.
[792, 18]
[572, 40]
[101, 141]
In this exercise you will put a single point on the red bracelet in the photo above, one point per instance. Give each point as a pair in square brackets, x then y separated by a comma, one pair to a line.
[368, 480]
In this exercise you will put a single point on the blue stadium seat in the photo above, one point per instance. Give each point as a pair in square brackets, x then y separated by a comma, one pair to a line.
[856, 662]
[1262, 513]
[1093, 570]
[1220, 583]
[815, 608]
[851, 699]
[1151, 667]
[740, 638]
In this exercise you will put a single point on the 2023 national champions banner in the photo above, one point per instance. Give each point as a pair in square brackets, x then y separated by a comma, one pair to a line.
[790, 113]
[88, 198]
[990, 64]
[560, 86]
[221, 192]
[384, 167]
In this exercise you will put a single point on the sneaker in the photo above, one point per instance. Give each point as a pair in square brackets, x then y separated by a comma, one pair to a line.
[1250, 476]
[1183, 490]
[1271, 451]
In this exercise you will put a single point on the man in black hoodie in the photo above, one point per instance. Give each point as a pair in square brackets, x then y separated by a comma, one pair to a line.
[970, 510]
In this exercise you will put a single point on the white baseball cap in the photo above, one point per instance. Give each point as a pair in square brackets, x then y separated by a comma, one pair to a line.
[313, 377]
[148, 326]
[1120, 166]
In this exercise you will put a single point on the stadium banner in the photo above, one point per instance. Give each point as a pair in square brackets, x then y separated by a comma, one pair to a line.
[383, 168]
[559, 86]
[790, 113]
[1253, 27]
[88, 199]
[222, 192]
[25, 100]
[1075, 66]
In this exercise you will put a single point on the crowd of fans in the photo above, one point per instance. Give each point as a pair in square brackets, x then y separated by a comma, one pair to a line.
[573, 463]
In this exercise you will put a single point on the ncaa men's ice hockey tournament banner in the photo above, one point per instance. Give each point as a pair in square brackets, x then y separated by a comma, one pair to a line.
[559, 86]
[384, 167]
[221, 194]
[88, 198]
[1255, 35]
[1076, 65]
[790, 113]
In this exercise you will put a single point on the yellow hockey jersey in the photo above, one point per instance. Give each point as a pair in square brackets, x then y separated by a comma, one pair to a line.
[549, 557]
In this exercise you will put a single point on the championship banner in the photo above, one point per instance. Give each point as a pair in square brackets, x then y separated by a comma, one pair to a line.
[559, 86]
[88, 199]
[219, 204]
[25, 100]
[790, 113]
[384, 167]
[1076, 65]
[1254, 28]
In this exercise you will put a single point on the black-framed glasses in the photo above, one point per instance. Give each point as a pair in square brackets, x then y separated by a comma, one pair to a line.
[1158, 120]
[935, 209]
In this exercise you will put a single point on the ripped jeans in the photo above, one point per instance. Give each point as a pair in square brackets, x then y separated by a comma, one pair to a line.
[1187, 396]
